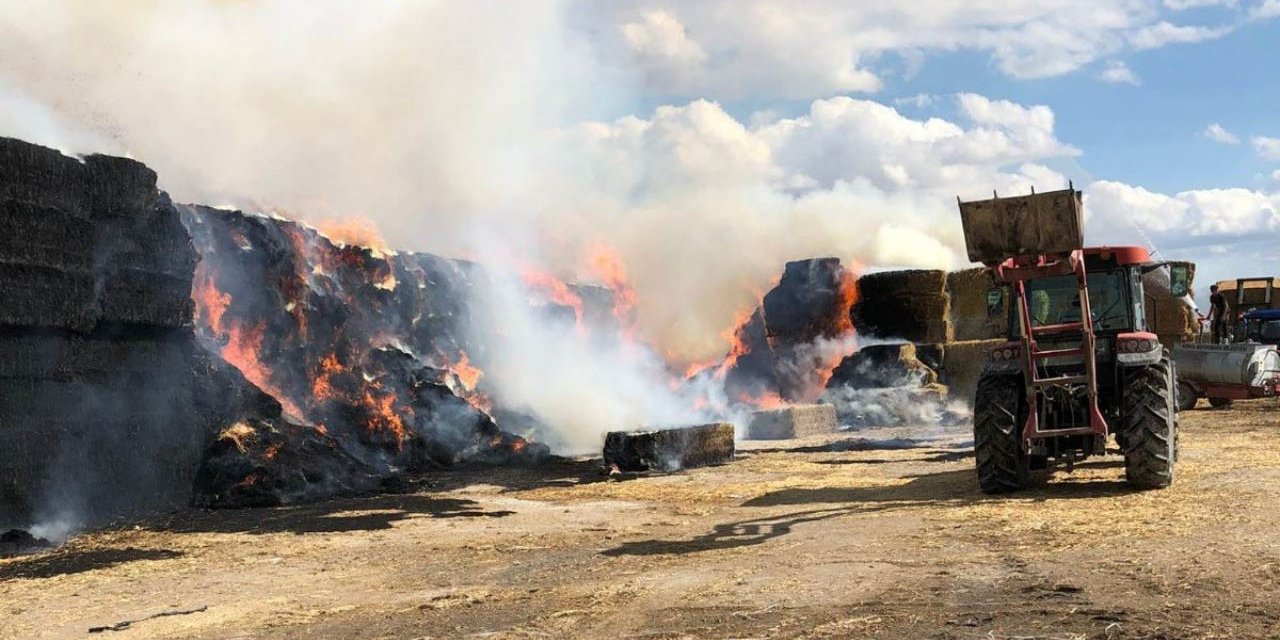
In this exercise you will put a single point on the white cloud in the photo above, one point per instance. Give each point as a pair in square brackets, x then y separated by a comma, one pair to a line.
[1275, 175]
[1216, 133]
[1161, 34]
[1265, 10]
[1117, 72]
[744, 48]
[919, 100]
[1267, 148]
[1182, 5]
[1117, 210]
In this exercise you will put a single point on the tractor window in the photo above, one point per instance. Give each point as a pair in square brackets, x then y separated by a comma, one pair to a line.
[1056, 301]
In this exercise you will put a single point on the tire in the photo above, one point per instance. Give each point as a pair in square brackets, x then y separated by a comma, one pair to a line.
[1187, 397]
[1150, 426]
[999, 409]
[1220, 403]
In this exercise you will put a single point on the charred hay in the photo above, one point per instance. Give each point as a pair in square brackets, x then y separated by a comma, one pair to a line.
[669, 449]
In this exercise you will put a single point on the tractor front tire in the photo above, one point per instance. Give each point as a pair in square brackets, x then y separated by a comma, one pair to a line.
[1150, 426]
[998, 413]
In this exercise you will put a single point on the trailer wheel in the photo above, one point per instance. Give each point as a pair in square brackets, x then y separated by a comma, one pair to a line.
[1187, 397]
[1220, 403]
[1150, 426]
[1003, 463]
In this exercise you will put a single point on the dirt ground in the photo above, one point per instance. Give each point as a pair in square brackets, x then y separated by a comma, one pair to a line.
[878, 533]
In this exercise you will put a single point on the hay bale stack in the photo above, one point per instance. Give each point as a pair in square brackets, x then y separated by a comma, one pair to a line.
[908, 305]
[979, 306]
[962, 365]
[807, 302]
[96, 378]
[795, 421]
[669, 449]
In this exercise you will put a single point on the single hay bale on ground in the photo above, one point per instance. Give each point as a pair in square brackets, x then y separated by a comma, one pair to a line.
[962, 366]
[882, 366]
[669, 449]
[796, 421]
[979, 307]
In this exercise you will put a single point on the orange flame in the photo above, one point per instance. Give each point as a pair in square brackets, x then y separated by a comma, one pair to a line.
[241, 351]
[764, 401]
[354, 231]
[556, 291]
[467, 373]
[605, 263]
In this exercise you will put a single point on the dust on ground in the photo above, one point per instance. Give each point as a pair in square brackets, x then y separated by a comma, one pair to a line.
[876, 533]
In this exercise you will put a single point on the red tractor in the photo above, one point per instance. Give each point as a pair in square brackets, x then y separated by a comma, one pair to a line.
[1080, 363]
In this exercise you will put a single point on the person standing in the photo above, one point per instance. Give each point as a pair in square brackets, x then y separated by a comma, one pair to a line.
[1217, 315]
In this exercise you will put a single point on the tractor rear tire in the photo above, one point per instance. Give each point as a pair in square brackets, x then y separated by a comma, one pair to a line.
[1187, 397]
[1150, 426]
[998, 413]
[1220, 403]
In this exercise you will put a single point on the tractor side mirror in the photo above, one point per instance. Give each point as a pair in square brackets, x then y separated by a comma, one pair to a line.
[1178, 281]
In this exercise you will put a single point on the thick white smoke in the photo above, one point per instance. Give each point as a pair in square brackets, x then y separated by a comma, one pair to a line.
[447, 122]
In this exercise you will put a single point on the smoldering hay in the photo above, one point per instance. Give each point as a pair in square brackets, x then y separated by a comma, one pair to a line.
[490, 131]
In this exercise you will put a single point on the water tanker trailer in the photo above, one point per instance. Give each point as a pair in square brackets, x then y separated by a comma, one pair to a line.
[1226, 372]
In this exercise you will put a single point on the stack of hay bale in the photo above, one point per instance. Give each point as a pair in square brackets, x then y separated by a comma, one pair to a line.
[95, 337]
[954, 318]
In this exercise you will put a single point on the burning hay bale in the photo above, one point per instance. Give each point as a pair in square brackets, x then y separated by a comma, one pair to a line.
[888, 385]
[669, 449]
[979, 307]
[907, 305]
[881, 366]
[259, 464]
[795, 421]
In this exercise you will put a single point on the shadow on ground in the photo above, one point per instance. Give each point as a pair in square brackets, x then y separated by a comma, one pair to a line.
[333, 516]
[70, 560]
[947, 488]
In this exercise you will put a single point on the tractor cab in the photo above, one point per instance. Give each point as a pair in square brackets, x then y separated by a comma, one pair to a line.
[1262, 326]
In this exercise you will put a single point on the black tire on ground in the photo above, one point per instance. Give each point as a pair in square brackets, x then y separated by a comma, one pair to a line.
[998, 413]
[1150, 425]
[1220, 403]
[1187, 397]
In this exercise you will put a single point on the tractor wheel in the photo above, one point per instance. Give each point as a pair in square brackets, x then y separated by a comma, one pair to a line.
[1187, 397]
[1150, 426]
[1220, 403]
[998, 412]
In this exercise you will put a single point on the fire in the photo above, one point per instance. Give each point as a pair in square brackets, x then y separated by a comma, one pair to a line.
[354, 231]
[383, 416]
[211, 304]
[606, 265]
[322, 387]
[766, 400]
[241, 350]
[468, 374]
[557, 292]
